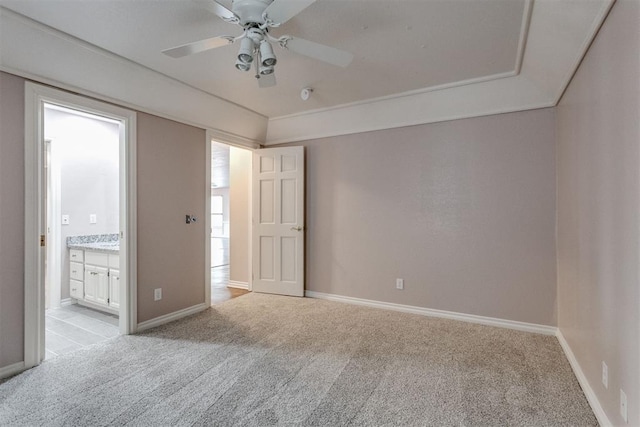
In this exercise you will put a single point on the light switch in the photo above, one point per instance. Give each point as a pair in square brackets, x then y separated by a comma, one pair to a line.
[93, 218]
[65, 219]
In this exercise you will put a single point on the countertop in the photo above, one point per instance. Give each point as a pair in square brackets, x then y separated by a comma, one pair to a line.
[109, 247]
[108, 243]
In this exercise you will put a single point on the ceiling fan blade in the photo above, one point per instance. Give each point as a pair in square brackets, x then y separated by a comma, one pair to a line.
[196, 47]
[268, 80]
[280, 11]
[218, 9]
[319, 51]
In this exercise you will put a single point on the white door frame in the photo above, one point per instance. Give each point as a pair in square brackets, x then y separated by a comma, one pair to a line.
[35, 97]
[207, 219]
[53, 268]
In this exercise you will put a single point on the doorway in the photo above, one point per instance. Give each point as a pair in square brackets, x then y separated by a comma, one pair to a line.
[82, 227]
[80, 212]
[229, 231]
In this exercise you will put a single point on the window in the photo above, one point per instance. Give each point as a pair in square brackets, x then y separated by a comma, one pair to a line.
[217, 225]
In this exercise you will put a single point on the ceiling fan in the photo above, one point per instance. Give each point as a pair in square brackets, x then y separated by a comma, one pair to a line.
[256, 17]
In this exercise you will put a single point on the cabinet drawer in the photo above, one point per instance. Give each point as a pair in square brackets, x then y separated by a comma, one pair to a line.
[114, 260]
[96, 258]
[76, 255]
[76, 271]
[76, 289]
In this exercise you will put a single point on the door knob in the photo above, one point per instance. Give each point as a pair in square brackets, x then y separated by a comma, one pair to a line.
[296, 228]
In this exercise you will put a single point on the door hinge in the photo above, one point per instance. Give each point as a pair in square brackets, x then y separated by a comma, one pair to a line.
[42, 240]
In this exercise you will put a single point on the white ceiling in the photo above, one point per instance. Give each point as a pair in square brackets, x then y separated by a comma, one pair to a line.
[399, 45]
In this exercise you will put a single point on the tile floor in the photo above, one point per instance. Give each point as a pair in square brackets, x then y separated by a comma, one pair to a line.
[73, 327]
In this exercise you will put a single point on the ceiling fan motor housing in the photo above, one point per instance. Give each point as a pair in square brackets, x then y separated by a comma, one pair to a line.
[250, 11]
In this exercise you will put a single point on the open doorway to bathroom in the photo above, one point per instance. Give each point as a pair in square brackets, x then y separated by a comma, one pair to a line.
[82, 271]
[38, 262]
[230, 198]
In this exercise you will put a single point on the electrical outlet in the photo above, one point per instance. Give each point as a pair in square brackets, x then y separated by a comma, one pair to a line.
[65, 219]
[93, 218]
[400, 284]
[157, 294]
[623, 406]
[605, 375]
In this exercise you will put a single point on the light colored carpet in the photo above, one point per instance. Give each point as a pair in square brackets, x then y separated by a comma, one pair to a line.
[270, 360]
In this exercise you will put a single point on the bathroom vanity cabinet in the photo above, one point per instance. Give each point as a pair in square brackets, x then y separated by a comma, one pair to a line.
[95, 279]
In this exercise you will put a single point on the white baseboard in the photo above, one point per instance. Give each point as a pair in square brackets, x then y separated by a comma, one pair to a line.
[11, 370]
[67, 301]
[238, 285]
[584, 383]
[148, 324]
[482, 320]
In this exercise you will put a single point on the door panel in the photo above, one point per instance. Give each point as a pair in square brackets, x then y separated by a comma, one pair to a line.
[267, 197]
[278, 221]
[288, 199]
[288, 255]
[267, 257]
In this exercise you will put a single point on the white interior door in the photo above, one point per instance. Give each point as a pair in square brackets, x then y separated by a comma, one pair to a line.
[278, 221]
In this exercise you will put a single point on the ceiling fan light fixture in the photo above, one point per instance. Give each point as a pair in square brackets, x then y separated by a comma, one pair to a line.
[266, 53]
[265, 71]
[245, 54]
[242, 66]
[256, 18]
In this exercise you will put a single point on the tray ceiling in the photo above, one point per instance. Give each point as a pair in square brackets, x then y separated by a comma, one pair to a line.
[416, 61]
[399, 46]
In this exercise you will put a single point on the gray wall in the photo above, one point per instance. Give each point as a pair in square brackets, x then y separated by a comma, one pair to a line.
[87, 152]
[11, 219]
[171, 184]
[598, 133]
[463, 211]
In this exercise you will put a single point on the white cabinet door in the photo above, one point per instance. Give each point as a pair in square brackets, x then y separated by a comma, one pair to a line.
[102, 292]
[96, 284]
[90, 283]
[278, 221]
[114, 288]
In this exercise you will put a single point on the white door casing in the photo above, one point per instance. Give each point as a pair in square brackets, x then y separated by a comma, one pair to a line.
[53, 218]
[35, 211]
[278, 221]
